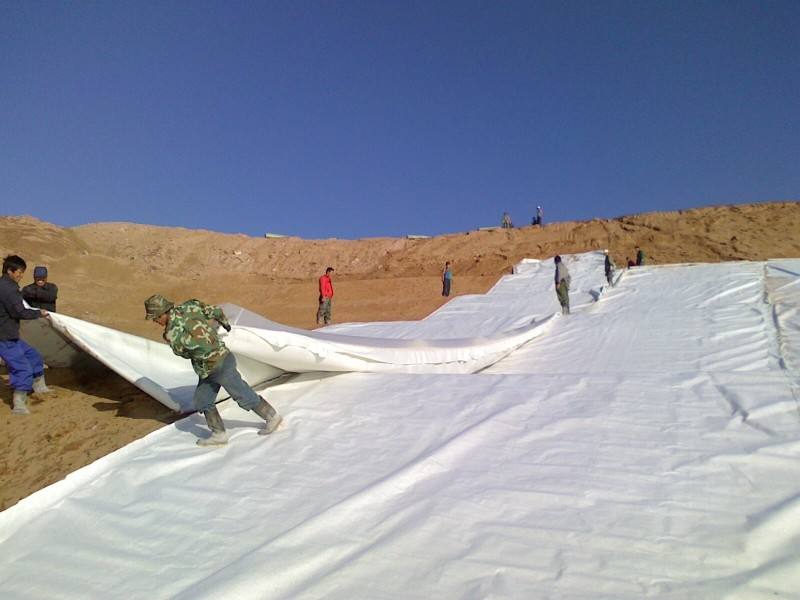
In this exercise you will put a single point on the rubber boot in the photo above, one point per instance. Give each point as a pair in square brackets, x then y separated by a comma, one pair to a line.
[39, 386]
[218, 435]
[270, 415]
[20, 403]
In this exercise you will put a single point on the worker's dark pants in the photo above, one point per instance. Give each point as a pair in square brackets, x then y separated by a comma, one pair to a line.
[24, 364]
[446, 287]
[227, 376]
[324, 311]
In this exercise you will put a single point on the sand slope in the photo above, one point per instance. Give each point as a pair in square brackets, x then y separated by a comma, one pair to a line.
[104, 272]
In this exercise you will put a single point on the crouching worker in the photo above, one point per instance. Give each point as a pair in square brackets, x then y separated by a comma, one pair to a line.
[191, 331]
[24, 363]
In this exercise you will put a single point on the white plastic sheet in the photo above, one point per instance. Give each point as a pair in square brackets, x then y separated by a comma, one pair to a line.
[645, 446]
[56, 349]
[783, 290]
[515, 301]
[299, 351]
[465, 336]
[675, 318]
[150, 366]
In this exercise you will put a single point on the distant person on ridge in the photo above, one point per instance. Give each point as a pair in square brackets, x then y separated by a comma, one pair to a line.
[537, 220]
[609, 267]
[24, 363]
[447, 279]
[325, 297]
[191, 330]
[562, 285]
[506, 223]
[639, 257]
[40, 293]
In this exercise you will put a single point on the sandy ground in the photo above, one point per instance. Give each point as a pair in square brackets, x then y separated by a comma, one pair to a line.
[105, 271]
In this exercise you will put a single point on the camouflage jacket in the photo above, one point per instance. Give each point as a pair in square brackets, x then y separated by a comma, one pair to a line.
[191, 334]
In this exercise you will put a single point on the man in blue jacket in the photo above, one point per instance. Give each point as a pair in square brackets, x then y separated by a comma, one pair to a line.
[25, 366]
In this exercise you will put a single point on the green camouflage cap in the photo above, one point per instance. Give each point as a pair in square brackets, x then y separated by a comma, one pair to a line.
[155, 306]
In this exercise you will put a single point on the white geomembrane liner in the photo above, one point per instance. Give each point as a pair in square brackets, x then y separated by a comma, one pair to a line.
[465, 336]
[783, 290]
[647, 445]
[150, 366]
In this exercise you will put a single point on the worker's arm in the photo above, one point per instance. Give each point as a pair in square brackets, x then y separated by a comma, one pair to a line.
[216, 313]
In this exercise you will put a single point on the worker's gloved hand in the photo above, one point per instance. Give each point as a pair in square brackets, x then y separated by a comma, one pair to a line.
[225, 326]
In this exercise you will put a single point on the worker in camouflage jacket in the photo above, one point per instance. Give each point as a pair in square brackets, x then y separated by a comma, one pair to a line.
[191, 330]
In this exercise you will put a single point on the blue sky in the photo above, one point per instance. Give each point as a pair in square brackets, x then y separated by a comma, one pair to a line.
[358, 119]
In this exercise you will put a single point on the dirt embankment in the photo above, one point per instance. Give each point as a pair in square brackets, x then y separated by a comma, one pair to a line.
[105, 271]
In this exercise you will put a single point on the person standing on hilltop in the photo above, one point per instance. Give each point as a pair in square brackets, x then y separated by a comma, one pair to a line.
[191, 331]
[325, 297]
[447, 279]
[639, 257]
[538, 218]
[40, 293]
[506, 222]
[562, 284]
[24, 363]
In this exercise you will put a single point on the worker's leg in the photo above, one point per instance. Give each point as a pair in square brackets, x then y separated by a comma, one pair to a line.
[205, 396]
[245, 396]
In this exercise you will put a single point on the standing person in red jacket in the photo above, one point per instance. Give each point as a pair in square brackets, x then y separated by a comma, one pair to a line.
[325, 296]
